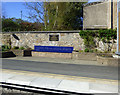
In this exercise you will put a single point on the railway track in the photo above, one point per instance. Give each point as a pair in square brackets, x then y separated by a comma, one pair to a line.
[13, 89]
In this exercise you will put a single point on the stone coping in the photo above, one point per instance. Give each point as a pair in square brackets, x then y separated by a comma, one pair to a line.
[71, 31]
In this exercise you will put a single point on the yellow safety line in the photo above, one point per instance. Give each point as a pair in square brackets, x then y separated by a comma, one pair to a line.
[59, 76]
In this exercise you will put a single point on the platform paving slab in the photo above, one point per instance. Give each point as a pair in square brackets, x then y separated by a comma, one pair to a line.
[45, 82]
[21, 79]
[6, 76]
[103, 87]
[62, 84]
[75, 86]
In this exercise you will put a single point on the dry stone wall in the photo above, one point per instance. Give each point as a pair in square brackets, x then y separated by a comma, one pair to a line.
[32, 39]
[5, 39]
[66, 38]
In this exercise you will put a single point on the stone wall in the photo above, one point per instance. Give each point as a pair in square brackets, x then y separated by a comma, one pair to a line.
[5, 39]
[104, 46]
[66, 38]
[42, 38]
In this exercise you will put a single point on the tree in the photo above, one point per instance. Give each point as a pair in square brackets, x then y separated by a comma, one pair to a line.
[13, 24]
[57, 15]
[28, 26]
[35, 11]
[65, 15]
[9, 25]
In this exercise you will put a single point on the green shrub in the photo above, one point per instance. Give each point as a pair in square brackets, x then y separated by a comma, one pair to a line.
[15, 47]
[9, 25]
[5, 47]
[91, 51]
[95, 50]
[106, 36]
[21, 48]
[106, 51]
[81, 51]
[88, 36]
[86, 50]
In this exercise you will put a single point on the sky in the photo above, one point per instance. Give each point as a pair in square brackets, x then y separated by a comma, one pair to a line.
[13, 9]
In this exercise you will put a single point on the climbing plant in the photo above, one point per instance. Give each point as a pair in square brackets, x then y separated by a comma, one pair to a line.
[107, 36]
[88, 36]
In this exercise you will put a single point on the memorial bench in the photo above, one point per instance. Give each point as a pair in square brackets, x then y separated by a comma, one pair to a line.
[57, 49]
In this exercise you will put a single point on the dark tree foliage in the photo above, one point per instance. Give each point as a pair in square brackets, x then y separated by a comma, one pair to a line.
[64, 15]
[13, 24]
[48, 16]
[57, 15]
[9, 25]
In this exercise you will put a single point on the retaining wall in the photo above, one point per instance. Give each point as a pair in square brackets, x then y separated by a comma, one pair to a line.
[65, 38]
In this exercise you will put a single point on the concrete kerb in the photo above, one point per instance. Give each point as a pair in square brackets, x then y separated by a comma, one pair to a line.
[56, 60]
[96, 59]
[101, 61]
[80, 86]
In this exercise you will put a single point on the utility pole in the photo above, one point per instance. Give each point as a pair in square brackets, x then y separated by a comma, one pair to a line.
[112, 14]
[21, 20]
[118, 27]
[21, 15]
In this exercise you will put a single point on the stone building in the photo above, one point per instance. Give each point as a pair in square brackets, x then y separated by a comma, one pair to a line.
[100, 15]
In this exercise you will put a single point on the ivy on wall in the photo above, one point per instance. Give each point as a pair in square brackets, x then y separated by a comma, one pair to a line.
[88, 36]
[107, 36]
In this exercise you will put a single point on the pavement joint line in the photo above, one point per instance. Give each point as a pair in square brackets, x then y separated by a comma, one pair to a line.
[76, 78]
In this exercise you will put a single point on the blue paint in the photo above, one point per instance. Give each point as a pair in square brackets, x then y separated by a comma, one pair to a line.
[58, 49]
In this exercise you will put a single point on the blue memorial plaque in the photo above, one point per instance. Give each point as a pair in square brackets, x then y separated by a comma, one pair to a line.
[58, 49]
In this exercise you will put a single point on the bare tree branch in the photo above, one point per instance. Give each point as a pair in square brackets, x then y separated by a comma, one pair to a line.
[36, 11]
